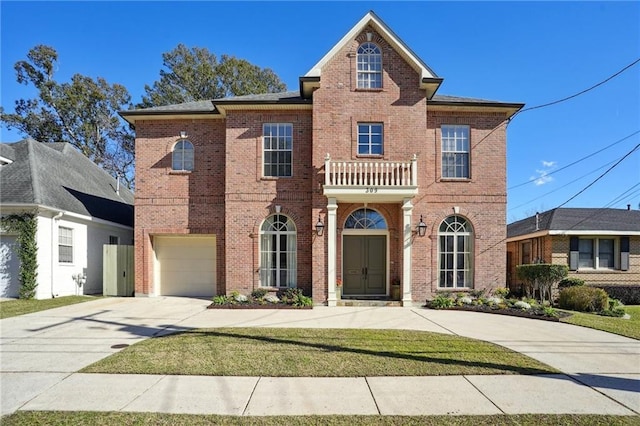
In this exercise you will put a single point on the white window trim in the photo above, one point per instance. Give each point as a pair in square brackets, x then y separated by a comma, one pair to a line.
[368, 72]
[181, 153]
[293, 233]
[369, 134]
[471, 268]
[455, 152]
[596, 253]
[264, 150]
[66, 245]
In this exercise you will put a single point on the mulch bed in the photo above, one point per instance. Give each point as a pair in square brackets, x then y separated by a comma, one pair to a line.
[533, 314]
[256, 306]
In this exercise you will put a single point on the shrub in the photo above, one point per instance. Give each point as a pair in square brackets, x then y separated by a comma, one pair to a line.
[259, 293]
[272, 298]
[583, 299]
[295, 297]
[441, 301]
[521, 304]
[627, 294]
[542, 277]
[548, 311]
[240, 298]
[570, 282]
[220, 300]
[501, 292]
[466, 300]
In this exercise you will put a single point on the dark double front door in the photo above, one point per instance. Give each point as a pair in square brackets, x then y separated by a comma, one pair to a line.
[364, 265]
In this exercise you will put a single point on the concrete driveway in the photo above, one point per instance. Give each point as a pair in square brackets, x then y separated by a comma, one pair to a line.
[40, 354]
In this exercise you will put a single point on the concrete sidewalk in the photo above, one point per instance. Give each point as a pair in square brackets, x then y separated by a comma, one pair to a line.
[41, 352]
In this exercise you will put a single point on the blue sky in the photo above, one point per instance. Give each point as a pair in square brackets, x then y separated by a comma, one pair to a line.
[533, 53]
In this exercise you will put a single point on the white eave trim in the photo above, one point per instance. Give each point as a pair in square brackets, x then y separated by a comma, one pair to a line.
[40, 209]
[5, 160]
[558, 232]
[387, 34]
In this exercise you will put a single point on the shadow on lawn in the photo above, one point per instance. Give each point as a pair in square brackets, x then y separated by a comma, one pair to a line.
[382, 354]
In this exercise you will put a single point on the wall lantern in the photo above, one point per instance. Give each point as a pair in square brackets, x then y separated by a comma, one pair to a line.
[319, 227]
[422, 227]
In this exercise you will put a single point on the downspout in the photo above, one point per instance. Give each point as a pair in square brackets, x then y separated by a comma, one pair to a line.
[54, 219]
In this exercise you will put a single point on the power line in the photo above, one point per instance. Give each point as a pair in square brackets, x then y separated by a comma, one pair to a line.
[582, 92]
[577, 161]
[563, 186]
[602, 175]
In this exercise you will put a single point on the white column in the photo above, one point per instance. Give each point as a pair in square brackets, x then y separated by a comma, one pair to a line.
[407, 209]
[332, 234]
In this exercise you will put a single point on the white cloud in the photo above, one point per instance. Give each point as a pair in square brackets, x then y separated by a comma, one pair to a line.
[542, 176]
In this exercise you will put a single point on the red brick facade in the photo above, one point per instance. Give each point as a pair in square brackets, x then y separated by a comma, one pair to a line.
[227, 196]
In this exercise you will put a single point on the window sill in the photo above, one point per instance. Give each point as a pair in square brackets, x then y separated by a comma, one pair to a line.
[361, 89]
[455, 179]
[275, 177]
[180, 172]
[370, 156]
[599, 271]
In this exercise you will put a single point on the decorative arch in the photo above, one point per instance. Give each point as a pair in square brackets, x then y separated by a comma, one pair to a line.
[455, 253]
[365, 218]
[182, 157]
[278, 252]
[369, 66]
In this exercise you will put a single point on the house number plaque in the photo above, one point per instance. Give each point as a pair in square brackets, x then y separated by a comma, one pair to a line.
[371, 190]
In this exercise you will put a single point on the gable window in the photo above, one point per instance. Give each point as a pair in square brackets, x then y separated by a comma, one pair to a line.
[369, 61]
[277, 147]
[455, 152]
[455, 252]
[596, 253]
[65, 245]
[370, 138]
[278, 252]
[182, 157]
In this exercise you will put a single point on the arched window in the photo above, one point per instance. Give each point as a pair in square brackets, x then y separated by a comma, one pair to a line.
[278, 252]
[369, 60]
[455, 249]
[365, 219]
[182, 158]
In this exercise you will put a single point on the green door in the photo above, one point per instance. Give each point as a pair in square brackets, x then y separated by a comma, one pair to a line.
[364, 264]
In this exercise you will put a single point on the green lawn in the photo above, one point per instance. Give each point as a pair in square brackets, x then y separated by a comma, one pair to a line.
[623, 327]
[29, 418]
[287, 352]
[12, 308]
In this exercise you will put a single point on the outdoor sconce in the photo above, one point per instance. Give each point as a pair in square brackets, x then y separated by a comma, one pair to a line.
[422, 227]
[319, 227]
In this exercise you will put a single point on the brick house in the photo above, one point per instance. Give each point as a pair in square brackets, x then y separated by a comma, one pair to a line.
[600, 246]
[362, 179]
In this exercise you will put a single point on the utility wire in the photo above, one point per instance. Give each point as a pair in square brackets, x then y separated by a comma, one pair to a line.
[577, 161]
[582, 92]
[602, 175]
[563, 186]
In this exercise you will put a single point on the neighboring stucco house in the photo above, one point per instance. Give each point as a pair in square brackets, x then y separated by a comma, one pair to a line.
[363, 177]
[600, 246]
[78, 206]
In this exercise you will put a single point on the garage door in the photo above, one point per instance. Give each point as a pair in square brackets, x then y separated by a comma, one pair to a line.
[9, 265]
[186, 266]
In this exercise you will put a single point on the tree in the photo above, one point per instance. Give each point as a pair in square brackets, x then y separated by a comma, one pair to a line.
[542, 277]
[194, 74]
[82, 112]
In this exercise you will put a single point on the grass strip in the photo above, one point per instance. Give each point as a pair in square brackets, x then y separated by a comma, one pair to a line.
[13, 308]
[286, 352]
[54, 418]
[624, 327]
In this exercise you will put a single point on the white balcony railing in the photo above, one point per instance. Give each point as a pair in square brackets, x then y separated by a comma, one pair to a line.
[391, 174]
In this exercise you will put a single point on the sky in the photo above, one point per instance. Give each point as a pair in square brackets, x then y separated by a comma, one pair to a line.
[529, 52]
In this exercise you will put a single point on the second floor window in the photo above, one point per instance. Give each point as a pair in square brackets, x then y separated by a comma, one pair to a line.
[369, 61]
[370, 139]
[182, 158]
[455, 152]
[277, 147]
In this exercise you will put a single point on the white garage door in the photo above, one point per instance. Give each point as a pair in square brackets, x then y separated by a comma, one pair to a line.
[186, 266]
[9, 266]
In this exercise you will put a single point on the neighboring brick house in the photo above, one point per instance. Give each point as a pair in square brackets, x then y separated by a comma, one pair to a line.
[231, 193]
[600, 246]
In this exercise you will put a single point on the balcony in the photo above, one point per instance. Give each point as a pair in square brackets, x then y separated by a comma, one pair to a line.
[370, 181]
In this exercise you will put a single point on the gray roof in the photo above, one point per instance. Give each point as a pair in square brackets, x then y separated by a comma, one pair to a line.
[7, 151]
[56, 175]
[578, 219]
[291, 97]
